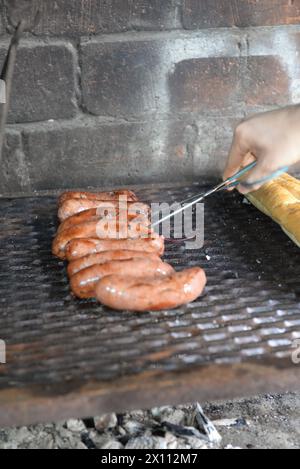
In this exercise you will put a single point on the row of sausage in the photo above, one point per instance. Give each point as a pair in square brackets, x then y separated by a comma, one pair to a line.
[116, 257]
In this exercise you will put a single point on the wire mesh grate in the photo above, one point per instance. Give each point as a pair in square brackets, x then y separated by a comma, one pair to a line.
[250, 309]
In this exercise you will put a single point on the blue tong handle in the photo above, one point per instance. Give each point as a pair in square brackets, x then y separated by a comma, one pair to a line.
[235, 180]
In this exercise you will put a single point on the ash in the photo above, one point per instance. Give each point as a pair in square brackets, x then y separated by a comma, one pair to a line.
[262, 422]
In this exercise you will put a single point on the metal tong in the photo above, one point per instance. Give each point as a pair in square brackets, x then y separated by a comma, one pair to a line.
[231, 182]
[8, 71]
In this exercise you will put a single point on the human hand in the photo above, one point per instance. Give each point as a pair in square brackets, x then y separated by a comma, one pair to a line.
[272, 138]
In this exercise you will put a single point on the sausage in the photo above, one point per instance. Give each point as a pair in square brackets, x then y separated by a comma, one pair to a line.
[77, 219]
[111, 195]
[106, 256]
[78, 248]
[143, 294]
[102, 229]
[72, 206]
[84, 282]
[93, 214]
[82, 247]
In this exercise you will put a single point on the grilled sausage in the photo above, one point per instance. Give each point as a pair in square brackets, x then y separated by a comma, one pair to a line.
[72, 206]
[93, 214]
[143, 294]
[112, 195]
[101, 229]
[77, 219]
[84, 282]
[106, 256]
[82, 247]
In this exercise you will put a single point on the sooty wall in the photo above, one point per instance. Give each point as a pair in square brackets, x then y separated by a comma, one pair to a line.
[110, 92]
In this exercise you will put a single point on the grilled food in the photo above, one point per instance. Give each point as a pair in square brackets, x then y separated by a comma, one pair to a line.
[106, 256]
[150, 293]
[112, 195]
[73, 206]
[115, 256]
[84, 282]
[82, 247]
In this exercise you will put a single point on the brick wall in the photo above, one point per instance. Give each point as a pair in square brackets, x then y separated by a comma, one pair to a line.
[110, 92]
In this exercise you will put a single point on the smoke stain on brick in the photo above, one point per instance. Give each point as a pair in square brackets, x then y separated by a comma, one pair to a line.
[15, 173]
[159, 105]
[45, 89]
[267, 82]
[204, 84]
[214, 13]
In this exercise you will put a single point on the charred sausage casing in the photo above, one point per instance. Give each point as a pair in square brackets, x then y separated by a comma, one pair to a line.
[145, 294]
[72, 206]
[106, 256]
[102, 229]
[94, 214]
[77, 219]
[84, 282]
[82, 247]
[110, 195]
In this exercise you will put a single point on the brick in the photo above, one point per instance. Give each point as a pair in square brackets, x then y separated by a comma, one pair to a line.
[44, 83]
[14, 171]
[75, 17]
[120, 79]
[132, 78]
[266, 82]
[91, 153]
[283, 45]
[206, 84]
[229, 84]
[267, 12]
[207, 14]
[101, 155]
[215, 13]
[211, 145]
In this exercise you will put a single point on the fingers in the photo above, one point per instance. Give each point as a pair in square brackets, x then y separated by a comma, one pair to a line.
[237, 154]
[249, 158]
[235, 160]
[247, 189]
[257, 177]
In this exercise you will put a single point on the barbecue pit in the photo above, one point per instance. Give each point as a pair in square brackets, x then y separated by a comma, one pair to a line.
[67, 357]
[123, 93]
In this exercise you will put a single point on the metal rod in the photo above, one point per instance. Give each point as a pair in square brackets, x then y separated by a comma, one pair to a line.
[228, 183]
[185, 207]
[7, 77]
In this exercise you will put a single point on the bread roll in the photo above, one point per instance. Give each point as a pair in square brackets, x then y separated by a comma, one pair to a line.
[280, 200]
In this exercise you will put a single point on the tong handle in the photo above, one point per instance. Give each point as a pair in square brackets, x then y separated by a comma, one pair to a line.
[242, 172]
[234, 181]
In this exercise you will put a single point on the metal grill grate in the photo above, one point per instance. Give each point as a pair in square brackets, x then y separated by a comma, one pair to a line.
[65, 356]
